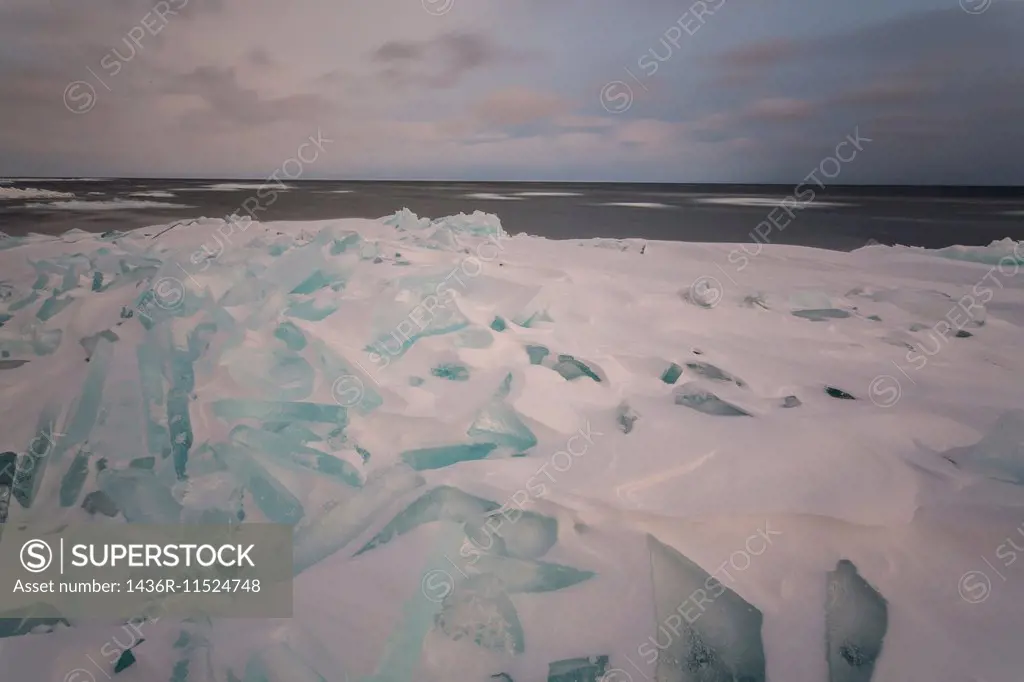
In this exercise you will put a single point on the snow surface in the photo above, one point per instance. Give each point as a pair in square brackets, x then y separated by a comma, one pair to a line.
[32, 193]
[105, 205]
[153, 194]
[848, 533]
[491, 197]
[636, 204]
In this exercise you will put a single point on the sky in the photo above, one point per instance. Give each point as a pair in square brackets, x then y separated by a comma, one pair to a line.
[732, 91]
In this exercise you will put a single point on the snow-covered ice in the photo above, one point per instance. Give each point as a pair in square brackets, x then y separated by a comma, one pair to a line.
[153, 194]
[767, 202]
[32, 193]
[512, 458]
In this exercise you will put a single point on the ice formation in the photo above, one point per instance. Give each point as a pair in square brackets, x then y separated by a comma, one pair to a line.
[543, 425]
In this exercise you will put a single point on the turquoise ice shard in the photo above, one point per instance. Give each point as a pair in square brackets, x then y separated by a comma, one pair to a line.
[451, 372]
[1000, 452]
[537, 354]
[821, 314]
[570, 368]
[52, 306]
[446, 455]
[856, 620]
[151, 382]
[276, 502]
[480, 611]
[140, 496]
[720, 641]
[280, 411]
[38, 456]
[89, 342]
[74, 479]
[327, 534]
[292, 336]
[316, 281]
[278, 372]
[443, 503]
[310, 310]
[284, 452]
[97, 281]
[499, 324]
[578, 670]
[709, 371]
[90, 399]
[498, 423]
[279, 663]
[404, 647]
[528, 575]
[692, 396]
[179, 423]
[672, 374]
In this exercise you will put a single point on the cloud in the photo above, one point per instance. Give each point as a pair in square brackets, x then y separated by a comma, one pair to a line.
[519, 106]
[780, 109]
[441, 62]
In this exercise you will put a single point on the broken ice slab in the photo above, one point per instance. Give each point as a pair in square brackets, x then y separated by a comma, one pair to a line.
[570, 368]
[46, 341]
[38, 455]
[625, 416]
[280, 411]
[404, 647]
[179, 422]
[285, 452]
[416, 381]
[528, 575]
[709, 371]
[513, 533]
[52, 306]
[528, 321]
[344, 378]
[856, 620]
[671, 374]
[315, 282]
[327, 534]
[498, 423]
[499, 324]
[443, 503]
[151, 383]
[451, 372]
[696, 398]
[279, 663]
[98, 502]
[278, 372]
[272, 498]
[537, 354]
[40, 616]
[578, 669]
[821, 314]
[791, 401]
[89, 342]
[716, 637]
[74, 479]
[311, 311]
[446, 455]
[481, 612]
[1000, 452]
[348, 242]
[140, 496]
[292, 336]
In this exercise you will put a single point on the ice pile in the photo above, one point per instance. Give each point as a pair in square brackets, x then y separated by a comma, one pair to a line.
[508, 458]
